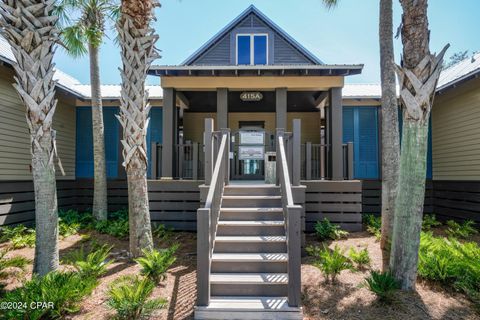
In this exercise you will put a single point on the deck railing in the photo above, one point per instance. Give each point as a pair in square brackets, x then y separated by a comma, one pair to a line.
[189, 161]
[292, 218]
[207, 217]
[315, 162]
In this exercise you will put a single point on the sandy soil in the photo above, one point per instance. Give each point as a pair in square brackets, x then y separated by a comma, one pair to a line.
[342, 300]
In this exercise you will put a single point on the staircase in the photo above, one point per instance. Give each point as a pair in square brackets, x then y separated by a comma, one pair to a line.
[249, 263]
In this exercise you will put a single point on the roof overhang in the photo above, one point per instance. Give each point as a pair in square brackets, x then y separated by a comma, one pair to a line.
[469, 76]
[256, 70]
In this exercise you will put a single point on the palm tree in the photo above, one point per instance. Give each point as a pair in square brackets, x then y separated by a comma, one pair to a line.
[390, 134]
[137, 40]
[29, 28]
[80, 36]
[418, 76]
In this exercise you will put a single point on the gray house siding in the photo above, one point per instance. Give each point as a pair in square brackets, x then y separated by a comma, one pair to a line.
[223, 52]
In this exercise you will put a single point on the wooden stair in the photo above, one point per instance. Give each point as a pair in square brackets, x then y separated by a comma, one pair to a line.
[249, 265]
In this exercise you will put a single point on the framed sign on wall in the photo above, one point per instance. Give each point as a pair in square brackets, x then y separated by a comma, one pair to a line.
[252, 137]
[251, 152]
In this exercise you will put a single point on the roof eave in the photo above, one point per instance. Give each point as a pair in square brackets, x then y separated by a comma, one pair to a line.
[469, 76]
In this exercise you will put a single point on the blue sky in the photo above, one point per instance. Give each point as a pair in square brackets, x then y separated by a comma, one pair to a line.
[346, 34]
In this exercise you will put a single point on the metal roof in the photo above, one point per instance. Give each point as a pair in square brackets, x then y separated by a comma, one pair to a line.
[252, 10]
[461, 71]
[259, 70]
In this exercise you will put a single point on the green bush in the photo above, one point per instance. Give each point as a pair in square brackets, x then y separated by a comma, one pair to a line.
[332, 262]
[19, 236]
[162, 232]
[155, 263]
[360, 258]
[116, 225]
[93, 264]
[327, 230]
[373, 225]
[382, 284]
[464, 230]
[129, 296]
[450, 262]
[63, 290]
[430, 221]
[73, 217]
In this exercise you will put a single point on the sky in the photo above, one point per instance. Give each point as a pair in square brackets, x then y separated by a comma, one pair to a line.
[345, 34]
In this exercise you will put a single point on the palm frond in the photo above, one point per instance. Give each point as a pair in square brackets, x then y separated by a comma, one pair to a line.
[74, 39]
[330, 4]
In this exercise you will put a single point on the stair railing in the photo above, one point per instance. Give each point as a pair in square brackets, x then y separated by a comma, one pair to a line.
[207, 218]
[291, 215]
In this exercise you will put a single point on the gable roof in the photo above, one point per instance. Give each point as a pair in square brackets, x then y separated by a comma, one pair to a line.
[252, 10]
[461, 71]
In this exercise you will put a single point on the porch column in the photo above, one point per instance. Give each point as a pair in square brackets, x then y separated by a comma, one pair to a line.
[222, 108]
[281, 108]
[335, 129]
[169, 133]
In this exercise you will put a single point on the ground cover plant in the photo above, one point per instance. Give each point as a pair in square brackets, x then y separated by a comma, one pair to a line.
[19, 236]
[461, 230]
[429, 222]
[330, 262]
[373, 225]
[325, 230]
[360, 257]
[451, 262]
[63, 290]
[382, 284]
[155, 263]
[129, 296]
[92, 264]
[7, 263]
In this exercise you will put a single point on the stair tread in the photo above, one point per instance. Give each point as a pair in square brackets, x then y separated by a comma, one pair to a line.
[250, 238]
[250, 186]
[247, 223]
[250, 257]
[252, 197]
[256, 209]
[249, 278]
[250, 303]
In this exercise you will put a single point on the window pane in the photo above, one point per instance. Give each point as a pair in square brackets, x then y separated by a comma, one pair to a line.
[260, 49]
[243, 49]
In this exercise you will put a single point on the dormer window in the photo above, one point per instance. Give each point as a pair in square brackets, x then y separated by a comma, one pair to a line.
[252, 49]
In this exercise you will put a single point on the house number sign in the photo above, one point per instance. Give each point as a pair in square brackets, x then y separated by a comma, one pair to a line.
[251, 96]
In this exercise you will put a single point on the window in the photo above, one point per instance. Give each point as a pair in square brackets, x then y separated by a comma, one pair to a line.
[252, 49]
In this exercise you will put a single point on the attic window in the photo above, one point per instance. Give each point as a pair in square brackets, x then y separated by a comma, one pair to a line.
[252, 49]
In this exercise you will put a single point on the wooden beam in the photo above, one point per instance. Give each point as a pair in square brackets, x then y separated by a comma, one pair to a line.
[321, 99]
[183, 100]
[281, 108]
[336, 133]
[295, 83]
[169, 132]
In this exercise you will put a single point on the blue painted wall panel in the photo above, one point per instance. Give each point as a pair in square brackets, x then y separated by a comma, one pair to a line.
[154, 134]
[84, 140]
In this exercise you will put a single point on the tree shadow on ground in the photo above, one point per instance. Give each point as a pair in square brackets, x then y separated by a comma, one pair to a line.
[184, 292]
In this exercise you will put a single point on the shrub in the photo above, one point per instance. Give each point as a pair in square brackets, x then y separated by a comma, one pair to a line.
[382, 284]
[155, 263]
[314, 251]
[332, 262]
[20, 236]
[360, 258]
[93, 264]
[430, 221]
[116, 228]
[72, 217]
[326, 230]
[129, 297]
[67, 229]
[161, 232]
[464, 230]
[450, 262]
[63, 290]
[373, 225]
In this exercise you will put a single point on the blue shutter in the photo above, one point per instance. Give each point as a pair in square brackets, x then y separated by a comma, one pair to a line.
[367, 141]
[84, 142]
[348, 127]
[112, 141]
[154, 133]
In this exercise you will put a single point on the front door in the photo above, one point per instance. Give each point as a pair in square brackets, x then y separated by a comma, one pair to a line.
[250, 143]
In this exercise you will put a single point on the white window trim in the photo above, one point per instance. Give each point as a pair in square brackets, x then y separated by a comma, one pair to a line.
[252, 46]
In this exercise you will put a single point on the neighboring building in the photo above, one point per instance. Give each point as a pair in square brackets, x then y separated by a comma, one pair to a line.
[251, 55]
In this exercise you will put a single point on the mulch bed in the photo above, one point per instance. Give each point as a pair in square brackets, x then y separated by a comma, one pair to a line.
[345, 299]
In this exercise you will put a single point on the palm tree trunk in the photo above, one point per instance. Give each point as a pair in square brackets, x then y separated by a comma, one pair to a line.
[137, 40]
[390, 134]
[29, 28]
[100, 205]
[418, 78]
